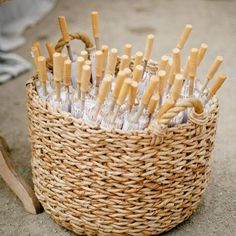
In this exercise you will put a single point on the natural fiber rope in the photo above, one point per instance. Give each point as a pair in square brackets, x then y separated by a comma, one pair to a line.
[79, 36]
[61, 44]
[98, 182]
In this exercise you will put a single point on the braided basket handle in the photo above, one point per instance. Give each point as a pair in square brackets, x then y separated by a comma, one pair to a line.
[79, 36]
[73, 36]
[197, 116]
[195, 103]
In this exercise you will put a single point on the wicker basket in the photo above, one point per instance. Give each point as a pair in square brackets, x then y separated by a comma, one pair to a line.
[99, 182]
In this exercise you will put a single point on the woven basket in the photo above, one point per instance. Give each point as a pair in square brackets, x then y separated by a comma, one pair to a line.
[99, 182]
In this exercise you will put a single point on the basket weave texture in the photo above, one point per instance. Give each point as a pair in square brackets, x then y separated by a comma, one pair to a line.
[98, 182]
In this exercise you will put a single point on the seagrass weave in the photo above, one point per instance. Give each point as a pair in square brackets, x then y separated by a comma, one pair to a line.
[98, 182]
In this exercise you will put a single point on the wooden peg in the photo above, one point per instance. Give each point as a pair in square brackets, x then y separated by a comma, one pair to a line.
[95, 27]
[165, 107]
[112, 61]
[128, 51]
[177, 87]
[137, 73]
[192, 69]
[217, 85]
[88, 63]
[201, 53]
[124, 62]
[38, 46]
[215, 67]
[35, 55]
[118, 84]
[138, 59]
[123, 92]
[184, 36]
[128, 72]
[192, 63]
[98, 66]
[79, 66]
[104, 89]
[85, 78]
[162, 77]
[163, 63]
[67, 73]
[64, 28]
[132, 94]
[149, 90]
[177, 60]
[57, 67]
[175, 67]
[43, 73]
[148, 48]
[51, 51]
[84, 54]
[42, 69]
[104, 56]
[153, 104]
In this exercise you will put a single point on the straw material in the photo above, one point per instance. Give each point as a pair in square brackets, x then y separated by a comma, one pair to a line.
[98, 182]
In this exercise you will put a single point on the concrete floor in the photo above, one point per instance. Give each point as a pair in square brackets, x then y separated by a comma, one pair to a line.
[214, 22]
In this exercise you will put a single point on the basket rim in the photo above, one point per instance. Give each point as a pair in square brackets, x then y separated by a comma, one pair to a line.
[81, 122]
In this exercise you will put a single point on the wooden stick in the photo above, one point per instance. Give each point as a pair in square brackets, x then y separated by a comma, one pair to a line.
[192, 69]
[57, 74]
[137, 73]
[162, 78]
[95, 27]
[85, 82]
[213, 69]
[67, 73]
[118, 85]
[15, 182]
[64, 58]
[124, 62]
[121, 98]
[104, 57]
[138, 59]
[51, 51]
[88, 63]
[163, 63]
[57, 87]
[43, 73]
[128, 51]
[153, 104]
[112, 61]
[184, 36]
[84, 54]
[132, 94]
[79, 66]
[98, 67]
[65, 34]
[149, 90]
[38, 46]
[57, 67]
[217, 85]
[128, 72]
[177, 87]
[201, 53]
[148, 50]
[175, 68]
[35, 55]
[103, 92]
